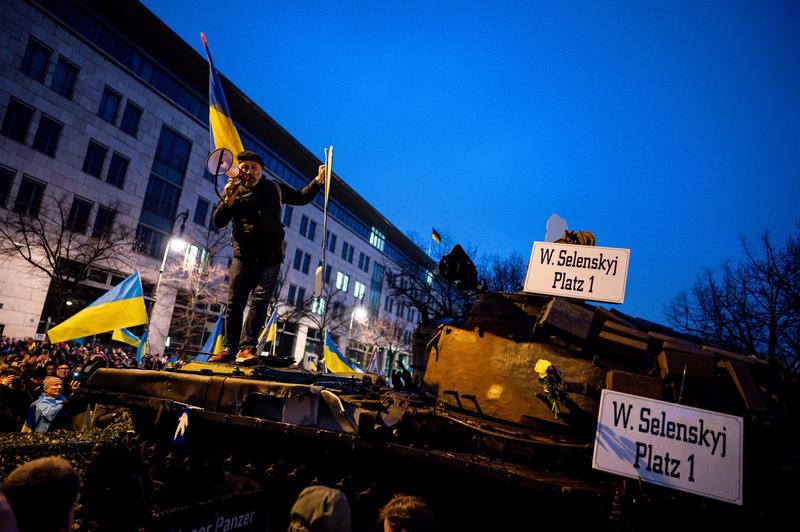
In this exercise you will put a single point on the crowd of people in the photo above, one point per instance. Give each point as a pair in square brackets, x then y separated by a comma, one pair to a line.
[53, 479]
[37, 377]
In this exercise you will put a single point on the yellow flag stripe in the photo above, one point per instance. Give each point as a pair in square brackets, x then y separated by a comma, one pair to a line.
[225, 134]
[334, 363]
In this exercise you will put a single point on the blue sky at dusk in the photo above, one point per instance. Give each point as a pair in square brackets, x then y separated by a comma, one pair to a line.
[670, 128]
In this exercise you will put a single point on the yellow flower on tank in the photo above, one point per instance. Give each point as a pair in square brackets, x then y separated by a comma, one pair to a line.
[541, 367]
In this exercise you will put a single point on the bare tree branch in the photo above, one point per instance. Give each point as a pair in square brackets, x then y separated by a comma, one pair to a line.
[752, 307]
[57, 246]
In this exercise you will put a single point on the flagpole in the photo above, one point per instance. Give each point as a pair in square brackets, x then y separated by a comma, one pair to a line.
[275, 340]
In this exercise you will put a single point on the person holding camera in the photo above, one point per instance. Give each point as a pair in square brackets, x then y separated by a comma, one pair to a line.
[64, 372]
[14, 400]
[253, 205]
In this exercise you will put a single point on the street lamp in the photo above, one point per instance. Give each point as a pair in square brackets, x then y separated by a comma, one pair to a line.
[177, 244]
[359, 313]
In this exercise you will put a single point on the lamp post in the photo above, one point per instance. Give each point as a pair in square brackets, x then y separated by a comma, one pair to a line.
[360, 314]
[177, 244]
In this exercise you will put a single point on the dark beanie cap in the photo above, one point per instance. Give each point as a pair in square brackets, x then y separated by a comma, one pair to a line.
[248, 155]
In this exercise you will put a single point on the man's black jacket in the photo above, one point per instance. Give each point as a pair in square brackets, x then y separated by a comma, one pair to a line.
[256, 215]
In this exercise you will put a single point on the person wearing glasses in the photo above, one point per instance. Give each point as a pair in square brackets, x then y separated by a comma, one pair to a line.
[63, 372]
[252, 204]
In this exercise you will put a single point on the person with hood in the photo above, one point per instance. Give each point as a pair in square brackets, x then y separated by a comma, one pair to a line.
[320, 509]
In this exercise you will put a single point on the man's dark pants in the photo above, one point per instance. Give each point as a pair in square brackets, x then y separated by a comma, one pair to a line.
[247, 276]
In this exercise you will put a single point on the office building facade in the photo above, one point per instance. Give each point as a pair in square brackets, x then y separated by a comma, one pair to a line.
[104, 120]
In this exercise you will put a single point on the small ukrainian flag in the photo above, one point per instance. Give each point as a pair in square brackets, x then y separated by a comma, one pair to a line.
[335, 361]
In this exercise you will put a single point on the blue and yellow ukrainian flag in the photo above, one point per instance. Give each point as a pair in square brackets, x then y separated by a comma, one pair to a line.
[126, 337]
[269, 333]
[223, 132]
[214, 343]
[334, 360]
[142, 350]
[122, 306]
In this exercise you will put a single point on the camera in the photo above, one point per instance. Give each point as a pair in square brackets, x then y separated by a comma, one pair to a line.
[76, 374]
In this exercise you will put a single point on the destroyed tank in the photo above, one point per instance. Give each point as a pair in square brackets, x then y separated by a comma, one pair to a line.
[478, 435]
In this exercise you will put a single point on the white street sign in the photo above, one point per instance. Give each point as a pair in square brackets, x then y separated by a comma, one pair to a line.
[675, 446]
[581, 272]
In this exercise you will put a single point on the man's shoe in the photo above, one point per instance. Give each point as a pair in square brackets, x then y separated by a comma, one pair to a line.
[222, 356]
[246, 357]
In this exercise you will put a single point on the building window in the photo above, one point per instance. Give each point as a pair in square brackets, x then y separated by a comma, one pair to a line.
[29, 196]
[104, 221]
[161, 198]
[149, 241]
[359, 290]
[302, 261]
[79, 215]
[200, 211]
[374, 300]
[109, 105]
[117, 169]
[36, 59]
[342, 281]
[388, 304]
[328, 270]
[17, 120]
[95, 157]
[428, 277]
[130, 119]
[377, 274]
[6, 179]
[195, 258]
[377, 239]
[296, 295]
[312, 230]
[303, 225]
[64, 77]
[287, 215]
[347, 252]
[363, 262]
[318, 305]
[331, 242]
[47, 135]
[172, 156]
[376, 287]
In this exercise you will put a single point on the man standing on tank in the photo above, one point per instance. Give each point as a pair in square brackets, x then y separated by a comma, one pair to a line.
[253, 205]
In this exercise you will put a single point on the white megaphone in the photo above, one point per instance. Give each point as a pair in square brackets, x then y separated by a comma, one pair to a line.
[220, 161]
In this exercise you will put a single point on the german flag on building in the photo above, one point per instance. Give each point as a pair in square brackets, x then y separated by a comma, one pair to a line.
[435, 236]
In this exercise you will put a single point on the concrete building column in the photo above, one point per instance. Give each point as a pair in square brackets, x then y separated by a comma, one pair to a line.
[161, 318]
[300, 343]
[23, 289]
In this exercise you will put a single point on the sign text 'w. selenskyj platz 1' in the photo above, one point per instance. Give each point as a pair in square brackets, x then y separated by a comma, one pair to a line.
[579, 272]
[675, 446]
